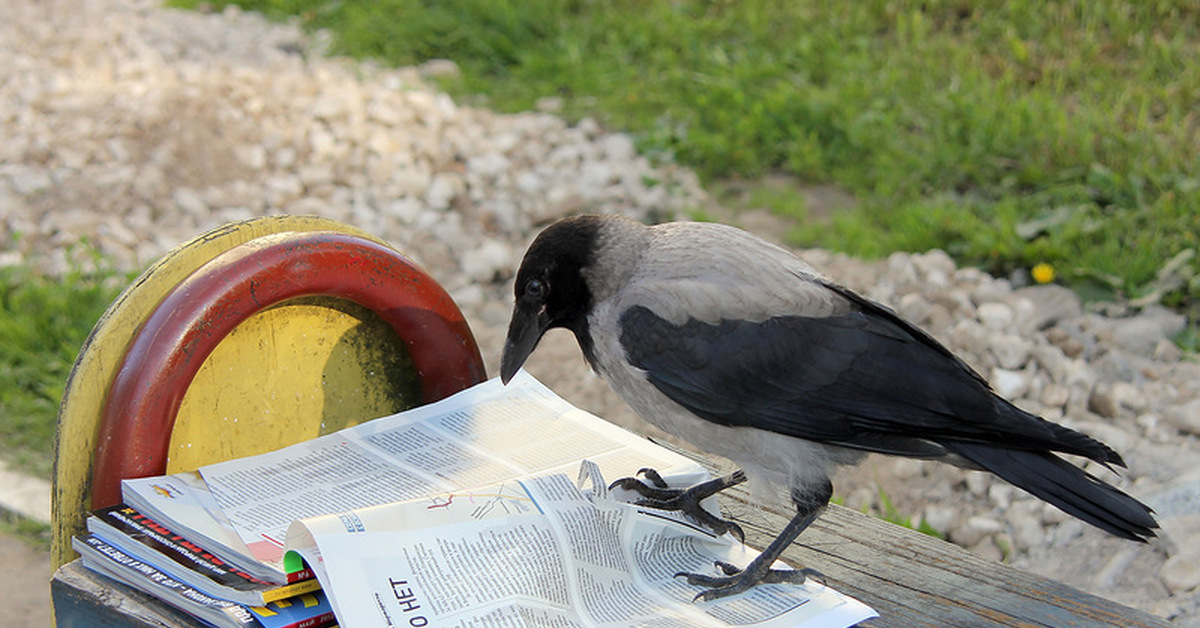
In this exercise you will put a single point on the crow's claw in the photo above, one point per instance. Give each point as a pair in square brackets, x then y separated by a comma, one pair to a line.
[657, 489]
[686, 500]
[736, 580]
[654, 477]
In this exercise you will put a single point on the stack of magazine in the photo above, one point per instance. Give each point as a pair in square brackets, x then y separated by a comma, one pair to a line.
[488, 508]
[131, 548]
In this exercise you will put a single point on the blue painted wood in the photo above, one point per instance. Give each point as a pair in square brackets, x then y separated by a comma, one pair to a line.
[83, 599]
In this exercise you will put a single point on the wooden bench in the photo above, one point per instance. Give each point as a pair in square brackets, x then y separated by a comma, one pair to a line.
[111, 428]
[910, 579]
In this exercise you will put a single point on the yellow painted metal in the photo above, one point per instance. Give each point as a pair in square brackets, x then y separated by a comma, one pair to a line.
[288, 374]
[101, 355]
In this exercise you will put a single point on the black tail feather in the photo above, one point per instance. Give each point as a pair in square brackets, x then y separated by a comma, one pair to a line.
[1033, 433]
[1068, 487]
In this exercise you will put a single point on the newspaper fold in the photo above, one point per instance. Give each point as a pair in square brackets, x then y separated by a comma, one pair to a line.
[540, 552]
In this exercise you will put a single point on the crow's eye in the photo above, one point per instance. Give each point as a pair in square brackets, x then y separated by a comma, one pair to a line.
[535, 289]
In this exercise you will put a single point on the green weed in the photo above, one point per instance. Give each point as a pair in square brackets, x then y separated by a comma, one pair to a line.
[43, 323]
[889, 512]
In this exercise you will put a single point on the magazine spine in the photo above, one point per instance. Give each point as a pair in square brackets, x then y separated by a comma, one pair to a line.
[147, 578]
[165, 541]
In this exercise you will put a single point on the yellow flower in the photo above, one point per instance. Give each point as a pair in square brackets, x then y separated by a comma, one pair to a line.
[1043, 273]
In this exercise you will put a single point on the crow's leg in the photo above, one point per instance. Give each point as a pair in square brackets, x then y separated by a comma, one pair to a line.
[810, 502]
[685, 500]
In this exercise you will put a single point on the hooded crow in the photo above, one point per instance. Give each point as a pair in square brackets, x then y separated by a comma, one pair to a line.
[740, 348]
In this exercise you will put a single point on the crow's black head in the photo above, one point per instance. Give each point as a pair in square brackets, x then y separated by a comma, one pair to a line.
[551, 290]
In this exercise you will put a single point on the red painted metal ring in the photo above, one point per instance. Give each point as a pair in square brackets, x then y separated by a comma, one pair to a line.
[167, 352]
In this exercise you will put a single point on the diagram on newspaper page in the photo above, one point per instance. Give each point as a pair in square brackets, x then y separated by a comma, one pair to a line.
[507, 499]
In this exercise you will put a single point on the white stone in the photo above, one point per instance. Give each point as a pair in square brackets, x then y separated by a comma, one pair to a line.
[975, 529]
[1026, 525]
[1011, 351]
[443, 189]
[1000, 494]
[253, 156]
[990, 290]
[1167, 351]
[414, 180]
[469, 296]
[285, 157]
[315, 175]
[940, 517]
[190, 202]
[1142, 333]
[1102, 402]
[995, 316]
[487, 166]
[988, 548]
[28, 181]
[1055, 396]
[405, 209]
[914, 307]
[1079, 374]
[488, 262]
[1181, 572]
[1185, 417]
[283, 188]
[1009, 384]
[969, 336]
[1052, 360]
[618, 147]
[978, 483]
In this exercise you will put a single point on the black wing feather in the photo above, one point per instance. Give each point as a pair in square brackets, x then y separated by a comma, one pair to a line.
[864, 379]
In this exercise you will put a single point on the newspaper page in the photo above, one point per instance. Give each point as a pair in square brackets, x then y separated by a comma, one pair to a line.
[539, 552]
[483, 435]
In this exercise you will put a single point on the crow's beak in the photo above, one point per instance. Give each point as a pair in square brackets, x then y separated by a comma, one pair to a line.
[524, 331]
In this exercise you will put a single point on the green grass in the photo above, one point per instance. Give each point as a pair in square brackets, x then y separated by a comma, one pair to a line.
[36, 535]
[1007, 133]
[887, 511]
[43, 323]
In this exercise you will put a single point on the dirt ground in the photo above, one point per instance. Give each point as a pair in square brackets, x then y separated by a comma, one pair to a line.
[24, 584]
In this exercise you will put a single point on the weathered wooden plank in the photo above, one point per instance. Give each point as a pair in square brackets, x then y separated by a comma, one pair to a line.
[913, 579]
[83, 599]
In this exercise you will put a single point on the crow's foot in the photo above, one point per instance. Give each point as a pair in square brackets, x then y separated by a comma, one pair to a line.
[737, 580]
[685, 500]
[657, 489]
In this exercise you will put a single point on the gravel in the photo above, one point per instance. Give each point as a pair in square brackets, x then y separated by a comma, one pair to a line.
[131, 128]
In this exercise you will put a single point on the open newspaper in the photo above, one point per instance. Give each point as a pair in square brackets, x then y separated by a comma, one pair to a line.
[540, 552]
[486, 434]
[485, 445]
